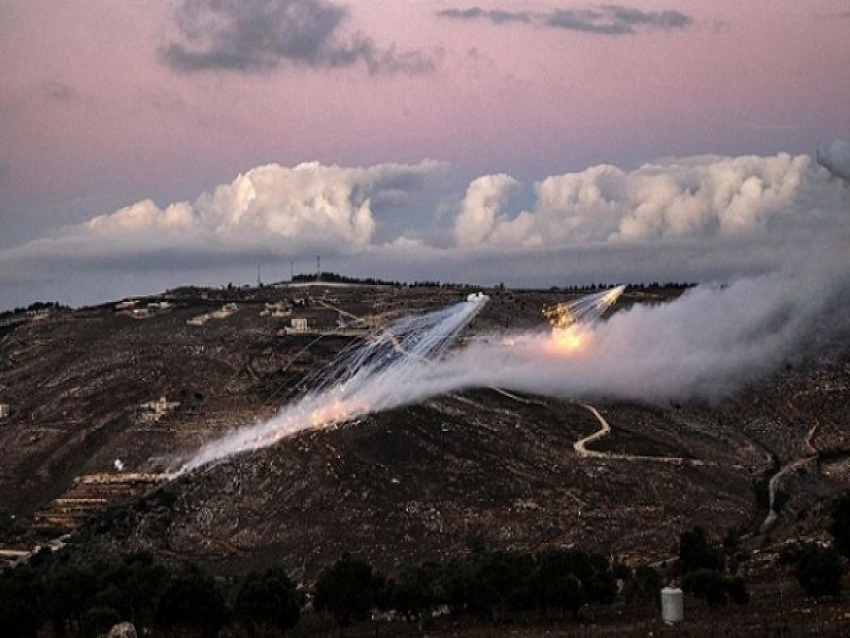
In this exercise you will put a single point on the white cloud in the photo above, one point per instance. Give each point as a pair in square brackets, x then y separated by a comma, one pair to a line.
[682, 199]
[481, 208]
[835, 157]
[695, 219]
[308, 203]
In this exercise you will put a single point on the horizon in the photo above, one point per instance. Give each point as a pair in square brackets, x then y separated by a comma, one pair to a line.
[547, 143]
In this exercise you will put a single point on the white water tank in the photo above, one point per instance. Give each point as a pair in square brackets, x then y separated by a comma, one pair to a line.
[672, 605]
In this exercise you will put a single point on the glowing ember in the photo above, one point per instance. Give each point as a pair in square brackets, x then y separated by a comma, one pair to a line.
[570, 320]
[567, 340]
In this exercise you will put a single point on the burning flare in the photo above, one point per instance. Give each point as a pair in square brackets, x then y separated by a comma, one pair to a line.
[570, 321]
[401, 364]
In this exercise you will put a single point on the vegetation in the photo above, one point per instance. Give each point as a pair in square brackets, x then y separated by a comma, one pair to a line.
[839, 525]
[715, 588]
[818, 569]
[696, 552]
[703, 567]
[192, 602]
[72, 595]
[348, 590]
[267, 601]
[642, 585]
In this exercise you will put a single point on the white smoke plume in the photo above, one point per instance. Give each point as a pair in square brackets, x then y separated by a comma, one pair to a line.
[707, 344]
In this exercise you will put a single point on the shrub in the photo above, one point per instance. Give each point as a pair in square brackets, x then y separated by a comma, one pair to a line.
[643, 585]
[695, 552]
[348, 590]
[839, 525]
[267, 600]
[192, 602]
[818, 570]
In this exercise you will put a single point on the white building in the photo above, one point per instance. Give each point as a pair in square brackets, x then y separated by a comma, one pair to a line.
[155, 410]
[5, 409]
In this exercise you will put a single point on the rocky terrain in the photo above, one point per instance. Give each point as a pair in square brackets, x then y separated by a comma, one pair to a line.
[484, 467]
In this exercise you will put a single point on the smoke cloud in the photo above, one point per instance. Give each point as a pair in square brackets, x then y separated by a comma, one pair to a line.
[706, 345]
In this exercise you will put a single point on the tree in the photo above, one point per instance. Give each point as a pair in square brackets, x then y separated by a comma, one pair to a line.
[818, 570]
[193, 602]
[839, 525]
[133, 587]
[418, 591]
[348, 590]
[21, 596]
[736, 587]
[644, 585]
[567, 579]
[267, 601]
[706, 584]
[500, 583]
[695, 552]
[70, 592]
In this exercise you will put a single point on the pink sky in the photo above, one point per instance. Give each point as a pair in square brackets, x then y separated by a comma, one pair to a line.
[93, 119]
[88, 110]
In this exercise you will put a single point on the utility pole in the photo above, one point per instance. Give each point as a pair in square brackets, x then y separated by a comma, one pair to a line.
[291, 269]
[318, 267]
[259, 279]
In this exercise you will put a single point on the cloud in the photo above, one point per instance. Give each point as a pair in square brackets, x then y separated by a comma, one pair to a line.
[701, 198]
[480, 209]
[257, 36]
[704, 218]
[307, 203]
[58, 91]
[835, 157]
[612, 20]
[497, 16]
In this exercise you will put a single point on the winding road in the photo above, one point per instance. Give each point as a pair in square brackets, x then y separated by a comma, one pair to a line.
[810, 453]
[581, 450]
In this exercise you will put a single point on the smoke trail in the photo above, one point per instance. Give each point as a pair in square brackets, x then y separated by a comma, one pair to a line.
[364, 379]
[706, 344]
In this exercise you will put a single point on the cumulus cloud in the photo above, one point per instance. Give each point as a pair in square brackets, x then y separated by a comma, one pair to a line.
[310, 202]
[256, 36]
[480, 209]
[703, 218]
[611, 20]
[835, 157]
[686, 199]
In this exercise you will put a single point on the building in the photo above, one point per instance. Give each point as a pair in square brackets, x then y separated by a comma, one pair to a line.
[299, 324]
[200, 320]
[5, 410]
[155, 410]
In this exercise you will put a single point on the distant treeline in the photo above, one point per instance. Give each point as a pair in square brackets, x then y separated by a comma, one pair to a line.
[336, 278]
[34, 307]
[76, 594]
[332, 277]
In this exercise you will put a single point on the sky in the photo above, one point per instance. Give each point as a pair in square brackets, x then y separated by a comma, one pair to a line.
[151, 144]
